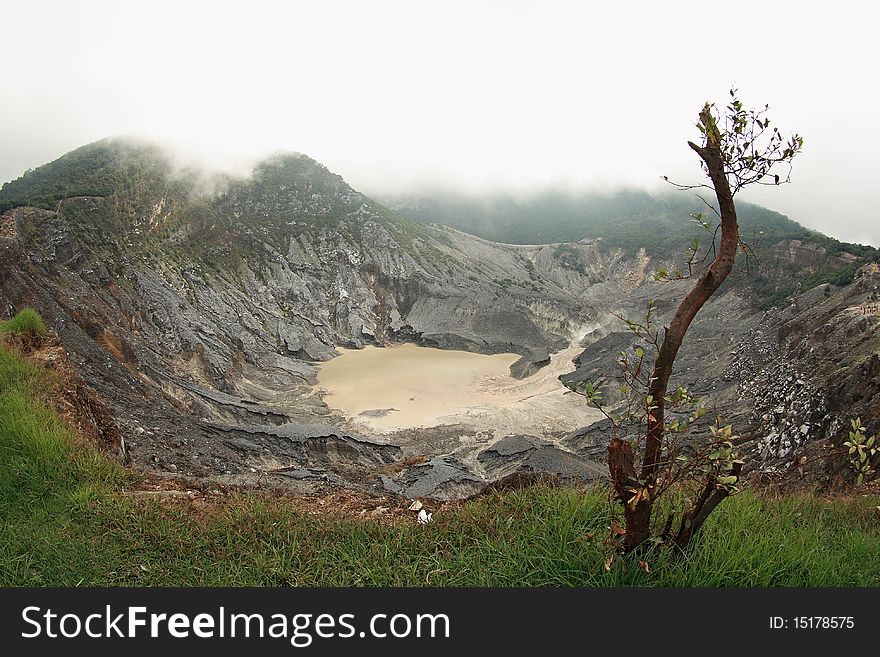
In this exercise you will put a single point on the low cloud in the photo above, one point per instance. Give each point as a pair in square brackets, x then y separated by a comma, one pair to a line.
[465, 96]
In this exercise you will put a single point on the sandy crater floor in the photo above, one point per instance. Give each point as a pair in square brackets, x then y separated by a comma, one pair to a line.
[386, 389]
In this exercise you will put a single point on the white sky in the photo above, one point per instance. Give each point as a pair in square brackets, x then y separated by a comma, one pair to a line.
[470, 95]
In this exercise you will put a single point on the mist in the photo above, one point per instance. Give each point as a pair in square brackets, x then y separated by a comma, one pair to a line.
[474, 97]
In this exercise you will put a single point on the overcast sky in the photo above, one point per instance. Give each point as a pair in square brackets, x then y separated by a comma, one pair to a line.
[470, 95]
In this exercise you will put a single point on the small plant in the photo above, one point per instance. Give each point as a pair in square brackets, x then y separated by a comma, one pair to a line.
[27, 324]
[861, 450]
[708, 470]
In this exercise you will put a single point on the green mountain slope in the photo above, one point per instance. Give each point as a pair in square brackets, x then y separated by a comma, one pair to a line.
[99, 169]
[661, 224]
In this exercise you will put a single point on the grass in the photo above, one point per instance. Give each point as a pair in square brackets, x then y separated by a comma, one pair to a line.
[64, 522]
[27, 323]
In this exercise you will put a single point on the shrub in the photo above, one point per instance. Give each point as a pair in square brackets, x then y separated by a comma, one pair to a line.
[26, 324]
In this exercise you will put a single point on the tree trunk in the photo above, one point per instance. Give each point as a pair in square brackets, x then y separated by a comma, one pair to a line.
[640, 513]
[694, 518]
[704, 288]
[621, 464]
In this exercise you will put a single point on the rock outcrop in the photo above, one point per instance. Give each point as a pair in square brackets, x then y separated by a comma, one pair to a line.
[199, 318]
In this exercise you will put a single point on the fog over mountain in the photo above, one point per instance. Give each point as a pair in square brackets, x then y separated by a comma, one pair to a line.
[400, 96]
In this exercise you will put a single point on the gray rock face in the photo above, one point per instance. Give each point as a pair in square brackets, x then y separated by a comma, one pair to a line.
[563, 464]
[529, 364]
[517, 455]
[789, 380]
[509, 446]
[813, 368]
[441, 478]
[199, 319]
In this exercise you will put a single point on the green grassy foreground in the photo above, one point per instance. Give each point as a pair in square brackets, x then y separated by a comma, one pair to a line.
[63, 522]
